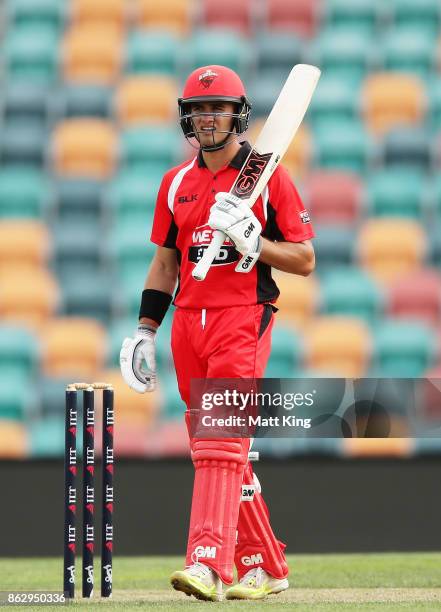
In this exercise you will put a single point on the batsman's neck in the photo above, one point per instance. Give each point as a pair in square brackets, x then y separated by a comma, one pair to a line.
[215, 160]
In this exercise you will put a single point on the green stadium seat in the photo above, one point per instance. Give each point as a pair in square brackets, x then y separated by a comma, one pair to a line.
[408, 50]
[434, 93]
[219, 46]
[152, 51]
[277, 53]
[130, 198]
[78, 249]
[87, 295]
[333, 100]
[333, 246]
[25, 102]
[402, 349]
[130, 252]
[52, 396]
[407, 147]
[350, 292]
[19, 353]
[436, 195]
[24, 192]
[79, 200]
[18, 400]
[344, 54]
[286, 353]
[36, 13]
[343, 145]
[397, 192]
[83, 101]
[46, 437]
[360, 16]
[23, 144]
[434, 235]
[150, 149]
[424, 14]
[263, 91]
[31, 54]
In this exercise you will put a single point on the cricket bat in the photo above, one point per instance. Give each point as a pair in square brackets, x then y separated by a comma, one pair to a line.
[268, 150]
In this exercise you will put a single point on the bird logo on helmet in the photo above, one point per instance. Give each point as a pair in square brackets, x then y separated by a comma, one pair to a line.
[213, 84]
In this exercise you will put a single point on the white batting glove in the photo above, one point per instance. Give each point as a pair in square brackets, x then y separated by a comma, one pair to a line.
[137, 360]
[235, 218]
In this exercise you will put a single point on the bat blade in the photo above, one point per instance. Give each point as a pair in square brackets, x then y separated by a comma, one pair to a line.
[269, 148]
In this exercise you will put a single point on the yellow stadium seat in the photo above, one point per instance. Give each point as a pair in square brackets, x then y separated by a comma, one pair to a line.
[92, 53]
[23, 243]
[340, 346]
[100, 12]
[380, 447]
[13, 440]
[174, 15]
[389, 247]
[391, 100]
[298, 298]
[146, 99]
[84, 147]
[74, 347]
[28, 295]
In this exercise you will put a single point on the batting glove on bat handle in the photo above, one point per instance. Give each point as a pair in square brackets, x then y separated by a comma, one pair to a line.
[211, 252]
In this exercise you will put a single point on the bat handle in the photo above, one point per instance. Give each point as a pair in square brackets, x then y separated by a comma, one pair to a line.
[210, 253]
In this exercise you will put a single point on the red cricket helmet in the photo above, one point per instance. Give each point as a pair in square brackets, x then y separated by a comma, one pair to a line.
[212, 83]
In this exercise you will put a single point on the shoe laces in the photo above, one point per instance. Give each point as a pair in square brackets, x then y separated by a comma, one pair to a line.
[254, 577]
[198, 569]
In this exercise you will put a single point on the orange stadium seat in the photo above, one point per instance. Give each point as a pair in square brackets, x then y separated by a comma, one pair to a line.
[301, 16]
[333, 197]
[298, 298]
[391, 247]
[109, 12]
[146, 99]
[92, 53]
[175, 15]
[229, 14]
[13, 440]
[417, 295]
[30, 296]
[23, 243]
[74, 347]
[84, 147]
[391, 100]
[338, 345]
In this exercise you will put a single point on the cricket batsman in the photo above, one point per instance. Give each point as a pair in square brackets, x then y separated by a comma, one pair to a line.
[221, 326]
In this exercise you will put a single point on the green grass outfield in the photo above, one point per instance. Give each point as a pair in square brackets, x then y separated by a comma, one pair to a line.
[389, 581]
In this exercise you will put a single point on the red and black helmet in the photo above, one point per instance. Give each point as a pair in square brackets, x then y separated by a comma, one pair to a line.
[213, 83]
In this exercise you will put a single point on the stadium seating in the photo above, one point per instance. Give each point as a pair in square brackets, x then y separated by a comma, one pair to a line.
[109, 12]
[92, 53]
[397, 192]
[350, 292]
[391, 99]
[25, 102]
[434, 93]
[407, 147]
[79, 200]
[29, 297]
[77, 100]
[333, 100]
[74, 347]
[23, 242]
[46, 437]
[416, 296]
[343, 145]
[76, 250]
[150, 150]
[19, 352]
[17, 402]
[286, 353]
[23, 144]
[24, 193]
[87, 295]
[298, 298]
[228, 14]
[333, 197]
[344, 54]
[13, 440]
[49, 14]
[408, 50]
[84, 148]
[152, 51]
[361, 16]
[146, 99]
[173, 15]
[333, 245]
[277, 54]
[301, 17]
[434, 235]
[389, 248]
[130, 250]
[130, 199]
[424, 15]
[219, 46]
[338, 345]
[31, 54]
[402, 349]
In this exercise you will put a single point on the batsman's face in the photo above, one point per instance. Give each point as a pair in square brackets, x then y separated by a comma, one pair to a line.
[212, 121]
